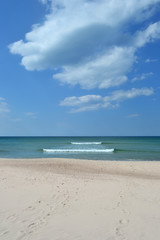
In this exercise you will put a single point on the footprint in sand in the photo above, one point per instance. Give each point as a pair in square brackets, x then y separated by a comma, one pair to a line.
[12, 218]
[123, 221]
[118, 232]
[31, 225]
[3, 233]
[30, 208]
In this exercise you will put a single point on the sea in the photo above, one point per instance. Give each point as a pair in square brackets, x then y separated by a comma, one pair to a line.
[91, 148]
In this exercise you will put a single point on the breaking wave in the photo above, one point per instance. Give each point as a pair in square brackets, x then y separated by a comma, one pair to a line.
[86, 143]
[79, 150]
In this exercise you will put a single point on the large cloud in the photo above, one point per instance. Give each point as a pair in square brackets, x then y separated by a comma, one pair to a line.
[94, 102]
[104, 71]
[89, 43]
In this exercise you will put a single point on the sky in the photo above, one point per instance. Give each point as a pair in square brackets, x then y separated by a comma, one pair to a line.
[80, 68]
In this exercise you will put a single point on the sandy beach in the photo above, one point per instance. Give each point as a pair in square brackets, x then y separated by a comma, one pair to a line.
[67, 199]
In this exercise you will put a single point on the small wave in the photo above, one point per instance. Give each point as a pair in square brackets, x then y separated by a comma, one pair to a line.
[79, 150]
[86, 143]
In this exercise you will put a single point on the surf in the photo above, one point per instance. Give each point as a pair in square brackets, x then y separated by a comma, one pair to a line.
[86, 143]
[78, 150]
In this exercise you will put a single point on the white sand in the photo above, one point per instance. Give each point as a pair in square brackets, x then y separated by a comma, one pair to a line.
[63, 199]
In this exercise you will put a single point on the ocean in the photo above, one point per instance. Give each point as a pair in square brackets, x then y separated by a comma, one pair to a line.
[96, 148]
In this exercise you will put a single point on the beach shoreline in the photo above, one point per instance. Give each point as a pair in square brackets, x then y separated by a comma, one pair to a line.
[79, 199]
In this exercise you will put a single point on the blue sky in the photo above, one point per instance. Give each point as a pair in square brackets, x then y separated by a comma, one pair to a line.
[79, 67]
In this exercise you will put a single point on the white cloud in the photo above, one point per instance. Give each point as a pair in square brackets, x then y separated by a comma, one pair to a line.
[143, 76]
[2, 99]
[47, 3]
[44, 1]
[102, 72]
[31, 114]
[4, 108]
[134, 115]
[151, 33]
[148, 60]
[95, 102]
[87, 41]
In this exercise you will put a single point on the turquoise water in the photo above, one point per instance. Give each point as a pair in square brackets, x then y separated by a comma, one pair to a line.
[97, 148]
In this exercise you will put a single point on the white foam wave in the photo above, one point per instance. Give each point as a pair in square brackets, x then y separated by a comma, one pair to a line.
[85, 143]
[79, 150]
